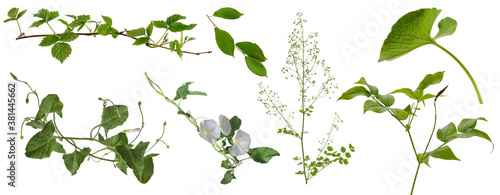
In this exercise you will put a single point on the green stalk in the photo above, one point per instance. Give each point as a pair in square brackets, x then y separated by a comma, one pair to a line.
[19, 26]
[51, 28]
[302, 91]
[465, 69]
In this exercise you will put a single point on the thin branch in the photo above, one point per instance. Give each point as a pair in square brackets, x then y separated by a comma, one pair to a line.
[121, 33]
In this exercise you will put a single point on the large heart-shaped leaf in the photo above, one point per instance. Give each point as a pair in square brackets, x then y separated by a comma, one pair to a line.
[42, 144]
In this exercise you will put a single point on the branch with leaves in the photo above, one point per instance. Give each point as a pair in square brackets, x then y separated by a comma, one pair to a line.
[49, 138]
[380, 103]
[61, 49]
[301, 65]
[413, 30]
[226, 137]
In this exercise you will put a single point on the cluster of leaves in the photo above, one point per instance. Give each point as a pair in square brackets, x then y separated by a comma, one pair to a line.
[301, 65]
[252, 52]
[61, 50]
[382, 103]
[49, 139]
[223, 142]
[413, 30]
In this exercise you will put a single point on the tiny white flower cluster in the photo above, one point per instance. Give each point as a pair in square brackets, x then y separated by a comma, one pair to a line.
[211, 131]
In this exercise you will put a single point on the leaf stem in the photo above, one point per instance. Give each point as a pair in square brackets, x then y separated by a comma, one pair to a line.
[466, 71]
[302, 91]
[142, 126]
[159, 139]
[50, 29]
[415, 179]
[19, 26]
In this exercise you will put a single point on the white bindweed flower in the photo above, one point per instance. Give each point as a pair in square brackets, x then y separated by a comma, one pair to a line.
[241, 143]
[209, 130]
[224, 125]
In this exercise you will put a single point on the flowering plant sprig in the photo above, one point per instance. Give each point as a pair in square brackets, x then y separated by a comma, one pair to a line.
[380, 103]
[50, 138]
[301, 65]
[226, 137]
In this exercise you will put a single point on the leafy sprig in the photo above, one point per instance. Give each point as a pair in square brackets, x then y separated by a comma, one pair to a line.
[223, 142]
[50, 138]
[252, 52]
[61, 48]
[301, 65]
[413, 30]
[380, 103]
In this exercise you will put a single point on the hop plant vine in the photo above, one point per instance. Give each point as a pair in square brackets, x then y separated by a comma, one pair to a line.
[304, 66]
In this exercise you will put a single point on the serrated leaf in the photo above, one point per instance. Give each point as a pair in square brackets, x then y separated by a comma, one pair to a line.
[52, 15]
[160, 24]
[37, 23]
[444, 153]
[104, 29]
[136, 32]
[141, 41]
[354, 92]
[227, 13]
[50, 104]
[48, 41]
[178, 27]
[447, 26]
[42, 144]
[63, 22]
[107, 20]
[75, 159]
[373, 106]
[68, 36]
[255, 66]
[224, 41]
[149, 29]
[9, 19]
[468, 124]
[446, 132]
[61, 51]
[113, 116]
[373, 89]
[252, 50]
[407, 91]
[178, 48]
[262, 154]
[114, 33]
[410, 32]
[174, 18]
[21, 14]
[13, 12]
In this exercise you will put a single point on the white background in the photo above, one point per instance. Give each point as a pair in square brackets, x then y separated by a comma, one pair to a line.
[384, 161]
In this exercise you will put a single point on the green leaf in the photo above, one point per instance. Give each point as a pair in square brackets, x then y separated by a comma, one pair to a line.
[75, 159]
[444, 134]
[37, 23]
[9, 19]
[136, 32]
[399, 113]
[227, 13]
[251, 50]
[262, 154]
[183, 91]
[178, 27]
[373, 106]
[68, 36]
[46, 15]
[49, 40]
[426, 160]
[444, 153]
[50, 104]
[472, 133]
[255, 66]
[42, 144]
[114, 33]
[387, 100]
[235, 123]
[118, 139]
[133, 157]
[21, 14]
[354, 92]
[373, 89]
[430, 79]
[428, 96]
[107, 20]
[141, 41]
[224, 41]
[13, 12]
[61, 51]
[226, 164]
[160, 24]
[174, 18]
[36, 124]
[113, 116]
[408, 92]
[228, 177]
[147, 172]
[447, 26]
[104, 29]
[408, 33]
[178, 48]
[468, 124]
[121, 164]
[149, 29]
[172, 46]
